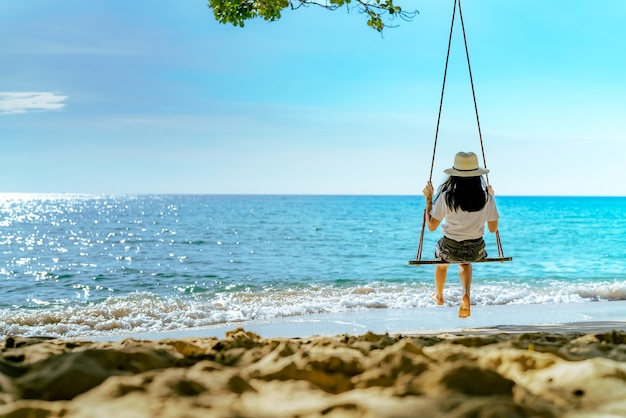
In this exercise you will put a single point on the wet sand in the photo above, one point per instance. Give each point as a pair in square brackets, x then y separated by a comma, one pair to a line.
[572, 370]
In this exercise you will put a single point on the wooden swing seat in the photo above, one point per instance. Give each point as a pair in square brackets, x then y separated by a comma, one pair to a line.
[484, 260]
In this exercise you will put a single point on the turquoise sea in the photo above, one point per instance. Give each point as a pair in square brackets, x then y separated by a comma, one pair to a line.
[97, 265]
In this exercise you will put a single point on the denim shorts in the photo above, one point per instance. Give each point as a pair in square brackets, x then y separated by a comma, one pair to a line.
[460, 251]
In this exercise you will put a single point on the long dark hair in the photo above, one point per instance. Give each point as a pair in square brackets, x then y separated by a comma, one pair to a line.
[465, 193]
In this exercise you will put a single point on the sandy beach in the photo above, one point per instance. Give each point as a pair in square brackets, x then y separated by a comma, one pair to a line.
[579, 371]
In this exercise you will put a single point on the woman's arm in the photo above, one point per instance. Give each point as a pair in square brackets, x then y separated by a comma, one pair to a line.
[492, 225]
[433, 223]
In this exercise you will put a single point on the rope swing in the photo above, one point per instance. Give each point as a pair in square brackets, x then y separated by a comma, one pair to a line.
[418, 258]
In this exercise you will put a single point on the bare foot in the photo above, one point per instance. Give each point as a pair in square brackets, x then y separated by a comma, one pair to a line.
[464, 309]
[438, 299]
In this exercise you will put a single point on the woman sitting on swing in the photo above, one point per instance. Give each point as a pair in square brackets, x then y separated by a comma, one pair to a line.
[466, 204]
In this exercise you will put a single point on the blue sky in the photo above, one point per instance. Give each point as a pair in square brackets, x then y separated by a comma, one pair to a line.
[117, 96]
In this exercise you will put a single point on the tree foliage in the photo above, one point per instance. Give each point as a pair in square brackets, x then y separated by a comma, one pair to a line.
[236, 12]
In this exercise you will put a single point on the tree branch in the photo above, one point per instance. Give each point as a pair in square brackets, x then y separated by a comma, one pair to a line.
[236, 12]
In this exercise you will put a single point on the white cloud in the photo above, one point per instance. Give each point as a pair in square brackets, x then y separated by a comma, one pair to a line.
[22, 102]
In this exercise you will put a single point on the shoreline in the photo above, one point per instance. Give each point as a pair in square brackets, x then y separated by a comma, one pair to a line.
[491, 372]
[587, 316]
[497, 366]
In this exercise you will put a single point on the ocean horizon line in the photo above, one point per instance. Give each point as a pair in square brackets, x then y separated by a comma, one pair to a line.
[126, 194]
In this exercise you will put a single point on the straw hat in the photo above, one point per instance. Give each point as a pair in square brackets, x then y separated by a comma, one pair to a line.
[466, 165]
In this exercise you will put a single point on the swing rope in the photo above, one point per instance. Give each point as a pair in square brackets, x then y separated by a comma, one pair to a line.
[418, 256]
[432, 164]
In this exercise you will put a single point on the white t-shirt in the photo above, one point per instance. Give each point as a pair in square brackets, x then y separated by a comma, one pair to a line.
[461, 225]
